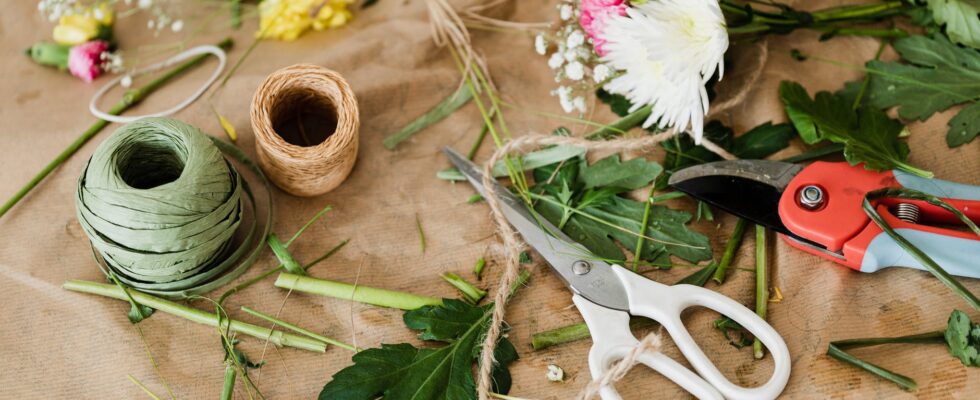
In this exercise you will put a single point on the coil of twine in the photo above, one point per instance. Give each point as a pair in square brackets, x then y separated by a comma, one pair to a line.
[161, 207]
[305, 120]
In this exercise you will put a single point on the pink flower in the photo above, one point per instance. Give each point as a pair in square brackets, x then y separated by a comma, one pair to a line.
[85, 60]
[595, 14]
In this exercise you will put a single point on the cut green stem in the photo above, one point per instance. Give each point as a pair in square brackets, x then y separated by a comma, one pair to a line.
[228, 388]
[478, 269]
[575, 332]
[624, 124]
[442, 110]
[836, 350]
[915, 252]
[471, 294]
[195, 315]
[361, 294]
[266, 274]
[131, 98]
[643, 227]
[730, 248]
[418, 226]
[143, 387]
[297, 329]
[761, 285]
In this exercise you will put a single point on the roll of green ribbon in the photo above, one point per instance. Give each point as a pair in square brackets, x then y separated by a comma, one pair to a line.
[162, 206]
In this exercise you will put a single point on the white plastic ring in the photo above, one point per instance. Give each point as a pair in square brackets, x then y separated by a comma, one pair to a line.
[192, 52]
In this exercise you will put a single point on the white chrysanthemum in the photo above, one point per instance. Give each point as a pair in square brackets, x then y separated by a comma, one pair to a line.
[667, 50]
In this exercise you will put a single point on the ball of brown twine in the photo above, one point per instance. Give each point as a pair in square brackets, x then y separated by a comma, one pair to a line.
[305, 121]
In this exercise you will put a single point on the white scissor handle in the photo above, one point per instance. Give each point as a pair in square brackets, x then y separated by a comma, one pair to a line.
[664, 304]
[612, 341]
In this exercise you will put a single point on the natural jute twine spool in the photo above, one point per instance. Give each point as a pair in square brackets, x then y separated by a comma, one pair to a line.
[305, 121]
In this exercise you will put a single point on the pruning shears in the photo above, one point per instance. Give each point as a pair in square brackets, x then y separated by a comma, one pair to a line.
[818, 208]
[606, 295]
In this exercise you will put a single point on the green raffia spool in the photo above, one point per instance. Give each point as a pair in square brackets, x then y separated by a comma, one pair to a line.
[161, 207]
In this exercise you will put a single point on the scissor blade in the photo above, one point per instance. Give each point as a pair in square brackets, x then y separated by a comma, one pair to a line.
[598, 284]
[747, 188]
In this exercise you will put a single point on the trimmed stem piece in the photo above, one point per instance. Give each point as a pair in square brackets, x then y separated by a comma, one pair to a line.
[195, 315]
[361, 294]
[297, 329]
[726, 258]
[761, 285]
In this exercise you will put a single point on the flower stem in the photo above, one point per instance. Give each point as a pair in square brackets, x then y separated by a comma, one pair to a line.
[624, 124]
[129, 99]
[836, 350]
[470, 293]
[914, 251]
[266, 274]
[761, 285]
[228, 388]
[574, 332]
[643, 227]
[195, 315]
[478, 268]
[726, 257]
[362, 294]
[299, 330]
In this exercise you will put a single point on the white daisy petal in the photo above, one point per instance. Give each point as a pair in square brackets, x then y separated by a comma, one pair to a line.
[667, 50]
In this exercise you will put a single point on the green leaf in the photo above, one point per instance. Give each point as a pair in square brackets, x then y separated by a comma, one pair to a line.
[609, 218]
[965, 126]
[939, 76]
[961, 338]
[617, 103]
[868, 135]
[735, 334]
[529, 161]
[763, 140]
[960, 18]
[700, 277]
[610, 172]
[401, 371]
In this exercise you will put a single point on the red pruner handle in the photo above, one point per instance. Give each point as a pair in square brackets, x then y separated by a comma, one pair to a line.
[956, 251]
[840, 225]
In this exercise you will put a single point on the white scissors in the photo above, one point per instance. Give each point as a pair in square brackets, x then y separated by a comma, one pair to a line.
[607, 295]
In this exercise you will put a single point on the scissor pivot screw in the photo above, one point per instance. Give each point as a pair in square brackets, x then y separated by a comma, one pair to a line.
[811, 197]
[581, 267]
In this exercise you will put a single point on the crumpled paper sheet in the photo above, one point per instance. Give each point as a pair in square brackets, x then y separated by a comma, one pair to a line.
[58, 344]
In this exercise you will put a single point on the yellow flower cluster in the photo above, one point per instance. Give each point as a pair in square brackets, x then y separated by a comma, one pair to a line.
[288, 19]
[79, 28]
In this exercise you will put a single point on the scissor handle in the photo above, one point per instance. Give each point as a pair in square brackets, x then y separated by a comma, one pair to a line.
[664, 304]
[612, 341]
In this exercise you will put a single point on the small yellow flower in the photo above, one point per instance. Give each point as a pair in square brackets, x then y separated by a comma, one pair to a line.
[75, 29]
[287, 20]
